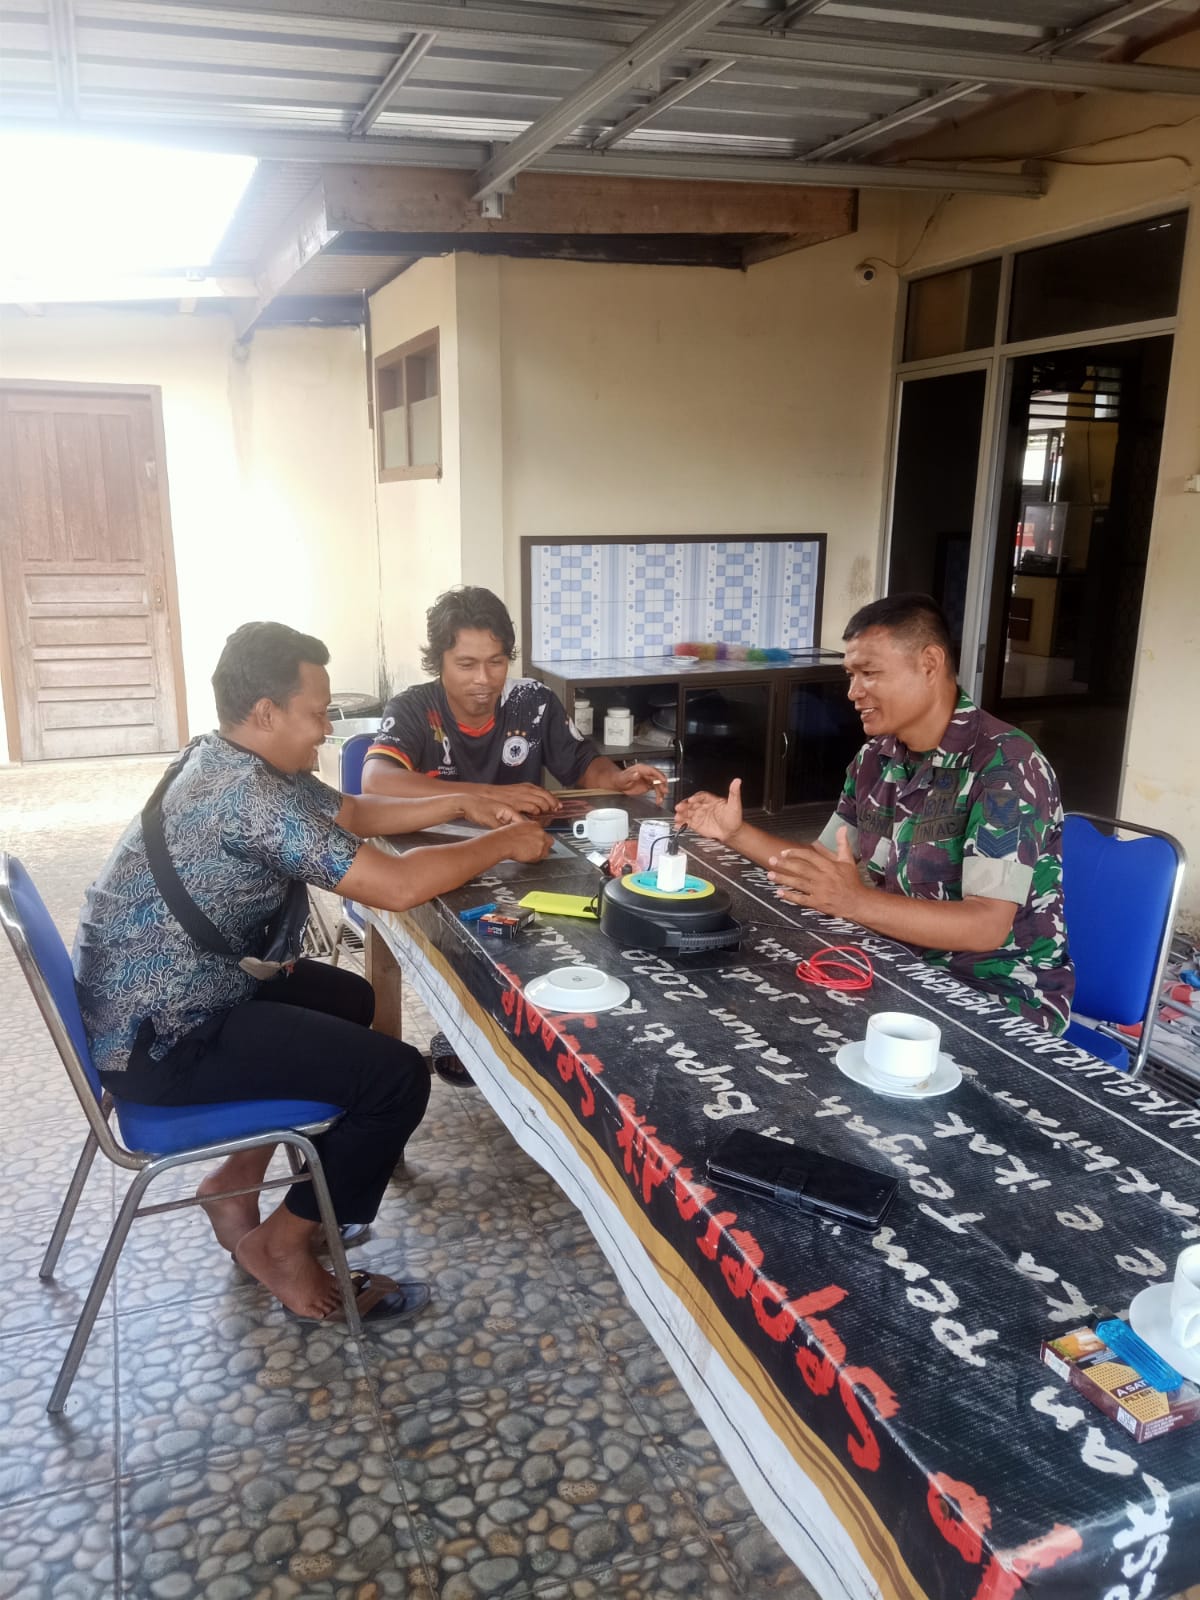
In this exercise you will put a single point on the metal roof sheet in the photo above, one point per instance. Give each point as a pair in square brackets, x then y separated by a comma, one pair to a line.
[763, 83]
[260, 64]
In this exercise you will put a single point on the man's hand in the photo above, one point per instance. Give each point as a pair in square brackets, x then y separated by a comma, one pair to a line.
[710, 816]
[810, 875]
[641, 779]
[485, 812]
[528, 799]
[525, 841]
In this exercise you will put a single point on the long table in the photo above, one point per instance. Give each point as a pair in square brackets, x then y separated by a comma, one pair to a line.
[880, 1397]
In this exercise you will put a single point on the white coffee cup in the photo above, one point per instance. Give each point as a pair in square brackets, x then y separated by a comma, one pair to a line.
[902, 1046]
[1185, 1299]
[603, 827]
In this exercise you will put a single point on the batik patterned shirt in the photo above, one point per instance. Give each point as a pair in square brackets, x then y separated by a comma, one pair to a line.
[528, 731]
[238, 832]
[980, 815]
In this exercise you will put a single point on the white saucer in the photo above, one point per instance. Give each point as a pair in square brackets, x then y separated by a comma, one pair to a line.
[576, 989]
[851, 1062]
[1150, 1318]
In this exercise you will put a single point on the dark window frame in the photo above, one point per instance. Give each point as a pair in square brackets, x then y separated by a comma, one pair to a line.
[395, 377]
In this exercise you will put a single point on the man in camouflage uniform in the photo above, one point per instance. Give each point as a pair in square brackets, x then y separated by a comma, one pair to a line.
[954, 816]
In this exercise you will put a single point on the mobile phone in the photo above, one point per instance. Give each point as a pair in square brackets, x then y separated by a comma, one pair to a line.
[809, 1180]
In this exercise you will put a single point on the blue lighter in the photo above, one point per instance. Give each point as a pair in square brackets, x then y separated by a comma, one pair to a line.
[1135, 1352]
[473, 913]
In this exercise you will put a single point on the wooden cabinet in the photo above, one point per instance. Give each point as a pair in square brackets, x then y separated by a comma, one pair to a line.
[788, 732]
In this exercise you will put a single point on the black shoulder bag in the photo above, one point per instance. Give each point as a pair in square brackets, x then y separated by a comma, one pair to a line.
[282, 934]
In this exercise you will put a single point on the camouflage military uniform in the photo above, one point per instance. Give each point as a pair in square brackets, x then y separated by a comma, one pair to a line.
[980, 815]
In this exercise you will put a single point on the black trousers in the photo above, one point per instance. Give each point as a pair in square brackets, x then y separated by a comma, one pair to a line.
[306, 1036]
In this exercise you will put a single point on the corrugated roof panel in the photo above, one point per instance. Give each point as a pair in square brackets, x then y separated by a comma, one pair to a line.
[273, 193]
[168, 63]
[346, 274]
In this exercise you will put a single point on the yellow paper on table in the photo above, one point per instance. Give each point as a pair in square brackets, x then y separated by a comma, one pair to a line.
[560, 905]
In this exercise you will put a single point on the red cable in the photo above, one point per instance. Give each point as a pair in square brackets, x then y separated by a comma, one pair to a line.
[820, 969]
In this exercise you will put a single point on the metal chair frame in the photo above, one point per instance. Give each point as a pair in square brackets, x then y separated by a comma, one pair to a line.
[1118, 825]
[146, 1166]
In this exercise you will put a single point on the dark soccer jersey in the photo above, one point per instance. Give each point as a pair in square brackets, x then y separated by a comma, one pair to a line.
[529, 731]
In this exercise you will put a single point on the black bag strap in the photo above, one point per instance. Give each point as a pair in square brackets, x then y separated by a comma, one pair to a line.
[198, 927]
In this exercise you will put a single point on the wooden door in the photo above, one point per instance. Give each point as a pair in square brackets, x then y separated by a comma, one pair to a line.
[86, 575]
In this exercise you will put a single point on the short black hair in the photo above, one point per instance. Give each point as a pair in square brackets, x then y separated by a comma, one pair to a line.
[261, 660]
[915, 619]
[465, 607]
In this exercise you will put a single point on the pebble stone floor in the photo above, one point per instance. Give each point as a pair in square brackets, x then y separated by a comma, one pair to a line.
[522, 1438]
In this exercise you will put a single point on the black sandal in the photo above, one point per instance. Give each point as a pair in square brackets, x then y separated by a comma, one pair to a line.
[447, 1065]
[379, 1299]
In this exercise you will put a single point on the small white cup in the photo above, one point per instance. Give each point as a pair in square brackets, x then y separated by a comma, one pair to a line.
[1185, 1299]
[603, 827]
[902, 1046]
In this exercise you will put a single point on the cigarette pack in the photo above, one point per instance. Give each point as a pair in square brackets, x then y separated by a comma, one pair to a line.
[501, 925]
[1087, 1364]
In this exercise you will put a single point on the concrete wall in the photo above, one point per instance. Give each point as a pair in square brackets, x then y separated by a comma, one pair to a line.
[641, 400]
[420, 538]
[267, 465]
[659, 401]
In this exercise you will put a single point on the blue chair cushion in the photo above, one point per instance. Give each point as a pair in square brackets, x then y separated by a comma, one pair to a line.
[1100, 1044]
[166, 1130]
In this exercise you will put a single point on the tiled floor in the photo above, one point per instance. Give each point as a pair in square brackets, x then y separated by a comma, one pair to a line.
[522, 1438]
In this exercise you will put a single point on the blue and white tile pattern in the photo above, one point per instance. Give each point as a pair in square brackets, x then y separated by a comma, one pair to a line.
[595, 600]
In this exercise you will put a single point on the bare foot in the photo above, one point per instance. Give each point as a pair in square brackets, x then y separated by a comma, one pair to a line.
[292, 1274]
[231, 1219]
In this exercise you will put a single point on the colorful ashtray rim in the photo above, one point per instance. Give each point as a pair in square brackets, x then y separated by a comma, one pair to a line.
[647, 883]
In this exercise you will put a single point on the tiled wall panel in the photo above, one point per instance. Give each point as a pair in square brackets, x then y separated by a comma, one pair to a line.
[589, 601]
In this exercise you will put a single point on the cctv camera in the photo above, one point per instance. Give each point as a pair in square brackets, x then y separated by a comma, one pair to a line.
[864, 272]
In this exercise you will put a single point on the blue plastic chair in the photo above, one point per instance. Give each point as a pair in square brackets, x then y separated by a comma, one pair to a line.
[1120, 896]
[156, 1138]
[350, 770]
[352, 755]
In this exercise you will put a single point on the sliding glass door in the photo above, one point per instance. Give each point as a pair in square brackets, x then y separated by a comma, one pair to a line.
[1082, 437]
[1030, 403]
[934, 494]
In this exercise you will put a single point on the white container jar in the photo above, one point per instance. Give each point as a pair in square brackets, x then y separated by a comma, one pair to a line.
[582, 715]
[618, 726]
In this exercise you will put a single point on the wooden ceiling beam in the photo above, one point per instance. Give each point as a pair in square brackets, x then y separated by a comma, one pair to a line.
[430, 211]
[302, 235]
[439, 200]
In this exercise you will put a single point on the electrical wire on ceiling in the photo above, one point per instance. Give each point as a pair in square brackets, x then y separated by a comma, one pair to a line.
[1060, 156]
[935, 211]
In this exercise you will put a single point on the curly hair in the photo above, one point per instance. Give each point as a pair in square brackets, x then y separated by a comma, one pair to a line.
[466, 607]
[261, 660]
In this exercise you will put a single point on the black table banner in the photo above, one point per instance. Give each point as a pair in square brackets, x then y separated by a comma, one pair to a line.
[1046, 1185]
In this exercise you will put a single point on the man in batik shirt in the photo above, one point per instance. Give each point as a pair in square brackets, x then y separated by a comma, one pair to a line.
[948, 832]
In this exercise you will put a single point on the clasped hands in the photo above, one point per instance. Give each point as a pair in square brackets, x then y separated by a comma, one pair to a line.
[804, 874]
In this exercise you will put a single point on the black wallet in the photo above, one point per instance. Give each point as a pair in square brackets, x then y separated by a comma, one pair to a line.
[806, 1179]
